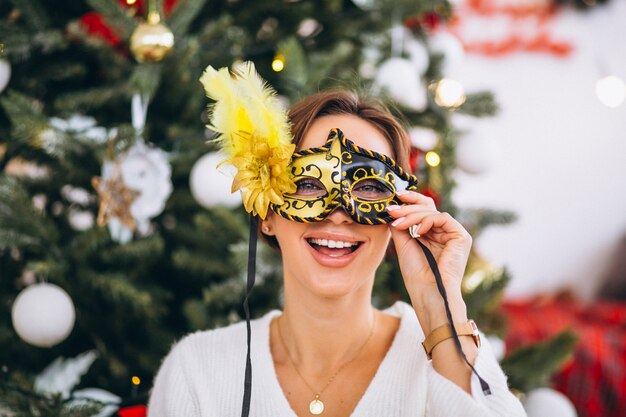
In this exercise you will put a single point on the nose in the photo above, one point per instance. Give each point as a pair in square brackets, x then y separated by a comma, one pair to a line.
[339, 216]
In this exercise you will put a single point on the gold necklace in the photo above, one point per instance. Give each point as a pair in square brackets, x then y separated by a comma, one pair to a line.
[316, 406]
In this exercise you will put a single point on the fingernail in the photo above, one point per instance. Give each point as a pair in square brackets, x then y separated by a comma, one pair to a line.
[393, 207]
[398, 221]
[403, 192]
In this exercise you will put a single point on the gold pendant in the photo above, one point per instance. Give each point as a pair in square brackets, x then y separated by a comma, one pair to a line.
[316, 406]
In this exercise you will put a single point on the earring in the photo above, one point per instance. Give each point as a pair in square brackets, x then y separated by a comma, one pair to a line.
[266, 229]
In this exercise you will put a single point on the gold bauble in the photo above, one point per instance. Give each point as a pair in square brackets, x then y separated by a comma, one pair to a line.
[151, 41]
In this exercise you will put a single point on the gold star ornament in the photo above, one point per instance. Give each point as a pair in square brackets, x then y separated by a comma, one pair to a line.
[115, 198]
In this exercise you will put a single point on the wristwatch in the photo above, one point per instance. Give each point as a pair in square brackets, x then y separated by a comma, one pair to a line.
[444, 332]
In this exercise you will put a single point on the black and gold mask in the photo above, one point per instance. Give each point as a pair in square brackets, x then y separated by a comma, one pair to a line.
[342, 174]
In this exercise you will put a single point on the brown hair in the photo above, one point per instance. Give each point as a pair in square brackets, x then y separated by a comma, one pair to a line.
[338, 102]
[370, 109]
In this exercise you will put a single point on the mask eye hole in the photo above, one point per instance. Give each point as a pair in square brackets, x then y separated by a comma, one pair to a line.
[309, 187]
[371, 190]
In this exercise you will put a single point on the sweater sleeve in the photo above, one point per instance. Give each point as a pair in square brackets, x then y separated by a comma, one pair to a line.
[446, 399]
[171, 394]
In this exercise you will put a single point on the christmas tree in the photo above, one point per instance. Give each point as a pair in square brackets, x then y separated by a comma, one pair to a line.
[109, 191]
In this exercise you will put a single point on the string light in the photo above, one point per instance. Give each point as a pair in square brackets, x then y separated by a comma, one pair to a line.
[432, 158]
[611, 91]
[131, 2]
[278, 64]
[135, 380]
[449, 93]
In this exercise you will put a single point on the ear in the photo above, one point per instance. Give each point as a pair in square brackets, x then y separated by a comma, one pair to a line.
[267, 225]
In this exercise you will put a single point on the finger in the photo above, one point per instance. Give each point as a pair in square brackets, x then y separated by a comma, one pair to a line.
[402, 211]
[412, 197]
[427, 221]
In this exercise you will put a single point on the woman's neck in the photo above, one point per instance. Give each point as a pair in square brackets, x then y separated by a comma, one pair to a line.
[322, 334]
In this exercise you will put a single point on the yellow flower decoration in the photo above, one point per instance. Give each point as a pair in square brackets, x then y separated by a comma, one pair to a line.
[254, 132]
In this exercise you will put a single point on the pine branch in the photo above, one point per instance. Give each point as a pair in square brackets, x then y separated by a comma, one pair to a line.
[483, 300]
[533, 366]
[118, 290]
[21, 226]
[144, 250]
[146, 79]
[476, 220]
[182, 16]
[194, 264]
[92, 98]
[480, 104]
[25, 116]
[296, 72]
[34, 15]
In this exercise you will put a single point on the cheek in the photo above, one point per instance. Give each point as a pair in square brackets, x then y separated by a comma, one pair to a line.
[286, 232]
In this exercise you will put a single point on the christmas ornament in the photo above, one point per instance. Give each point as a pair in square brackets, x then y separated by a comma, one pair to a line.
[43, 315]
[423, 138]
[476, 154]
[445, 44]
[151, 41]
[399, 78]
[209, 185]
[418, 54]
[546, 402]
[133, 189]
[133, 411]
[62, 375]
[80, 220]
[115, 197]
[5, 74]
[611, 91]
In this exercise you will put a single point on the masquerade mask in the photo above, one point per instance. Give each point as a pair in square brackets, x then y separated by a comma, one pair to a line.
[341, 174]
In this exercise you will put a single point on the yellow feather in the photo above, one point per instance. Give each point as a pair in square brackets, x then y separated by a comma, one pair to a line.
[254, 132]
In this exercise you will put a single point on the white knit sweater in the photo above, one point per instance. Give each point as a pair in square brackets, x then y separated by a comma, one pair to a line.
[203, 376]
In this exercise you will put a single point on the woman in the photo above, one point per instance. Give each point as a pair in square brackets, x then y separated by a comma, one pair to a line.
[330, 351]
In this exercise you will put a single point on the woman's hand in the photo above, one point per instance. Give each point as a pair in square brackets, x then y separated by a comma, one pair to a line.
[450, 244]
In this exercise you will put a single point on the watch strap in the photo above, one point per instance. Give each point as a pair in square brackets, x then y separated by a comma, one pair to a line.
[444, 332]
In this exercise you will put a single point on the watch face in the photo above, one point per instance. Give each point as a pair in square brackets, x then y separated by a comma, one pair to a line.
[341, 174]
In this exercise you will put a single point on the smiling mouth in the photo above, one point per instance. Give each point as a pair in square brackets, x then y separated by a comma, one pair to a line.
[333, 248]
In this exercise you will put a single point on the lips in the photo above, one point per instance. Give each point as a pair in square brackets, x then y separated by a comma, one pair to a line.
[333, 250]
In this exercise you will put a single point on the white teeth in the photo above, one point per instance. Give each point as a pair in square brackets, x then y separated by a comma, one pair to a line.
[332, 243]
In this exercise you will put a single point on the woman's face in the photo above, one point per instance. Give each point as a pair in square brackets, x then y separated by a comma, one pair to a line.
[336, 256]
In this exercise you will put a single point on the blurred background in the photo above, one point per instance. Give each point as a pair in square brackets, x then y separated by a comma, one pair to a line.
[119, 234]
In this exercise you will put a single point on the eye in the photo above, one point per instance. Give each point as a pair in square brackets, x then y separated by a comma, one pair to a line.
[371, 190]
[309, 187]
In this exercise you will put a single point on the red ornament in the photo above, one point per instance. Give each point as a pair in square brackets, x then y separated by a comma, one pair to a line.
[429, 21]
[133, 411]
[95, 25]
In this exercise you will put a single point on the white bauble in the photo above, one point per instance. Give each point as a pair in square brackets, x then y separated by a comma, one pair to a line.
[476, 154]
[546, 402]
[43, 315]
[418, 54]
[147, 170]
[497, 346]
[212, 187]
[399, 78]
[80, 220]
[5, 74]
[423, 138]
[450, 47]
